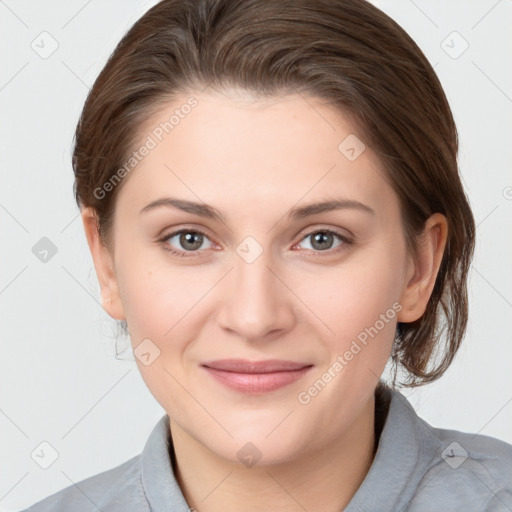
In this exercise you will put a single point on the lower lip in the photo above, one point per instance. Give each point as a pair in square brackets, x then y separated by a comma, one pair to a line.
[257, 383]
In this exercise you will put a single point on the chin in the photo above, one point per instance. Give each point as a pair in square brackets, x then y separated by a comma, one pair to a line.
[256, 451]
[270, 440]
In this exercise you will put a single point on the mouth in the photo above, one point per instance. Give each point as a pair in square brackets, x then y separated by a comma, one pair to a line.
[256, 377]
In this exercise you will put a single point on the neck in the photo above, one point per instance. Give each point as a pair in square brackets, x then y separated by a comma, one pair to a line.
[324, 480]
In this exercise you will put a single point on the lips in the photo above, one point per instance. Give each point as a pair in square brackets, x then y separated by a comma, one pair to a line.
[244, 366]
[255, 377]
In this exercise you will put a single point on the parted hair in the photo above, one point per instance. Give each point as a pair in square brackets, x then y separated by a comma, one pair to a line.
[347, 52]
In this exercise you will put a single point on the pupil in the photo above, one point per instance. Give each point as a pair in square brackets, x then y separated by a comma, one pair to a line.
[321, 239]
[188, 238]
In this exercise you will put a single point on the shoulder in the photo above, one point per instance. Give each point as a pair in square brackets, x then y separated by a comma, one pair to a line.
[117, 489]
[467, 472]
[439, 469]
[471, 461]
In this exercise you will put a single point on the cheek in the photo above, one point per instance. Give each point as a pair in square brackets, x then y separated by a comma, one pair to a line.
[158, 300]
[353, 296]
[151, 293]
[154, 306]
[360, 306]
[165, 303]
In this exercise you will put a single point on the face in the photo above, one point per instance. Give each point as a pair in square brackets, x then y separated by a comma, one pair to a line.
[312, 295]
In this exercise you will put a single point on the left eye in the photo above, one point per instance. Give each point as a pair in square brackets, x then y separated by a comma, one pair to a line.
[188, 239]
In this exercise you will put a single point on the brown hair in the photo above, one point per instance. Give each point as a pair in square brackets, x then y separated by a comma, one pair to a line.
[345, 51]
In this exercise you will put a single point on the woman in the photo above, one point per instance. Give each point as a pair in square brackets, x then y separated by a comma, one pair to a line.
[271, 197]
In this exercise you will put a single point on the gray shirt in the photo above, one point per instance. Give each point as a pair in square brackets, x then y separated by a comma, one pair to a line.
[417, 468]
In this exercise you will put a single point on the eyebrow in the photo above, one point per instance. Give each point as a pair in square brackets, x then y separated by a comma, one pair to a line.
[204, 210]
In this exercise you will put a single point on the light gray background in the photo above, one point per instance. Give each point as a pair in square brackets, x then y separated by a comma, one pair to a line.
[60, 382]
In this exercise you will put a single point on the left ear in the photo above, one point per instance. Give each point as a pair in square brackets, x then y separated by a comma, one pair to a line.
[422, 271]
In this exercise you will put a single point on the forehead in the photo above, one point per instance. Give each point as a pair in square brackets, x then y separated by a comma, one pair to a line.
[235, 147]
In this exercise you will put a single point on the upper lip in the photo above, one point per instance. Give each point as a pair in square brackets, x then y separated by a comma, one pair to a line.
[246, 366]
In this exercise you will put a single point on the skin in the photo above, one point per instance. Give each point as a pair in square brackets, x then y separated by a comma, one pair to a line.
[254, 160]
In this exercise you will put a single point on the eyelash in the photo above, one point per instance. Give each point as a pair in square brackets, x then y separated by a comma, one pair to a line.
[192, 254]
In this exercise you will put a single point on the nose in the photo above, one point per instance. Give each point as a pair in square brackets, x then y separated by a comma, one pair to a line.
[258, 306]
